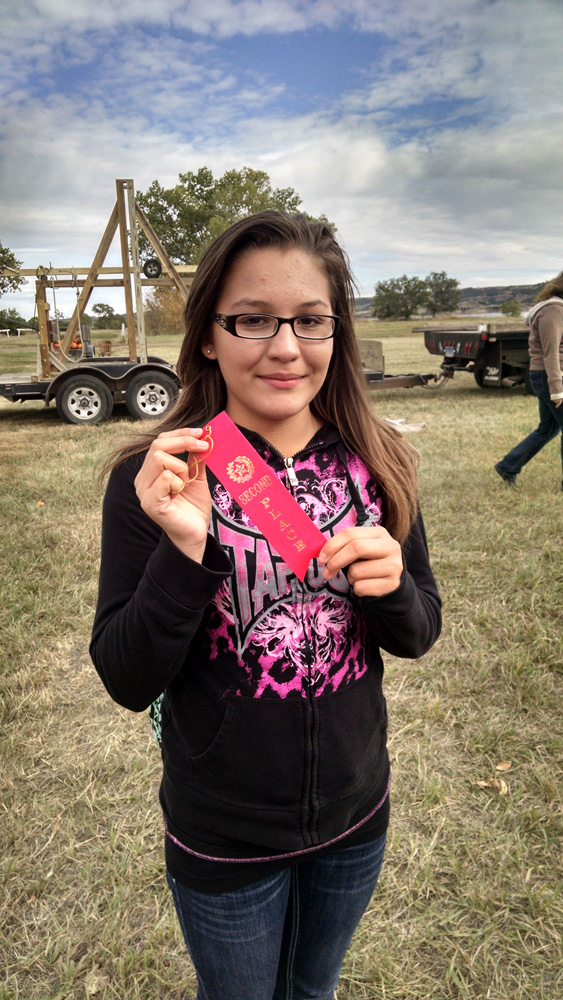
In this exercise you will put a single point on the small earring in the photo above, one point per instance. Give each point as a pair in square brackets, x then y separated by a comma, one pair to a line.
[209, 350]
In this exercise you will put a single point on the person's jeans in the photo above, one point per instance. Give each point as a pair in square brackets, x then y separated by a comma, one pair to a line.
[550, 425]
[285, 937]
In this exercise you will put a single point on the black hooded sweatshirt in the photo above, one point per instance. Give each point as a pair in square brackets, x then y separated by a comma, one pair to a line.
[266, 692]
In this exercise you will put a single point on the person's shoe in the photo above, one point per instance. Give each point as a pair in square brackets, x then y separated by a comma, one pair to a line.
[508, 477]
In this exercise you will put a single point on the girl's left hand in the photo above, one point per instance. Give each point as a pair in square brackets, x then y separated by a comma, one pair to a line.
[373, 559]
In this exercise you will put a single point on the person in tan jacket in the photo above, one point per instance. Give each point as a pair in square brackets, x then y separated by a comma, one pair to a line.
[545, 345]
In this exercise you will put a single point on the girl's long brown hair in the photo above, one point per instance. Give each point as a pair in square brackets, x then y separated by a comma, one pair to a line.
[343, 399]
[551, 288]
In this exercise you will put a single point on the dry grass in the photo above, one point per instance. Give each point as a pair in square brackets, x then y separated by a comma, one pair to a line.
[469, 904]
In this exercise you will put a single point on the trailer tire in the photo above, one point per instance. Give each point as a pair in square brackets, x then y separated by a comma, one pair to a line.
[84, 399]
[150, 395]
[152, 268]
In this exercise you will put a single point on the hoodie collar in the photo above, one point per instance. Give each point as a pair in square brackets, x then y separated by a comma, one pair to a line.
[555, 300]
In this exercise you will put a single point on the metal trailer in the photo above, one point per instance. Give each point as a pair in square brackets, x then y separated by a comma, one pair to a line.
[87, 392]
[495, 355]
[85, 388]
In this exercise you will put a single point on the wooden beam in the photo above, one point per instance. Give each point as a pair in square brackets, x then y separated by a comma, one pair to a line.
[122, 215]
[113, 283]
[163, 256]
[48, 272]
[43, 318]
[86, 292]
[133, 239]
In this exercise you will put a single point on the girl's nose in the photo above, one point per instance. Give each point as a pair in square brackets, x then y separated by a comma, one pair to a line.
[285, 343]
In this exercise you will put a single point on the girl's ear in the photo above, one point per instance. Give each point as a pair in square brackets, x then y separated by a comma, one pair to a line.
[209, 351]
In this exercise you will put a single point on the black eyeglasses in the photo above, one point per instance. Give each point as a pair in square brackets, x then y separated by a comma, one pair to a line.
[261, 326]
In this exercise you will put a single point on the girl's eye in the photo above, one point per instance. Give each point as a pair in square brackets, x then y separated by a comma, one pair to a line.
[310, 321]
[254, 321]
[315, 326]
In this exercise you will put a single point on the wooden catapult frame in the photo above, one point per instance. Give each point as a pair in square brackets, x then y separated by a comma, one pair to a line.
[126, 215]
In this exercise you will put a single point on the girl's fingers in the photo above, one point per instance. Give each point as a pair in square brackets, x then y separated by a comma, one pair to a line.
[355, 544]
[371, 558]
[350, 536]
[161, 456]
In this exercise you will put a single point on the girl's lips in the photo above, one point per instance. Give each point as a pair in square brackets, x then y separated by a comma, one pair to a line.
[281, 379]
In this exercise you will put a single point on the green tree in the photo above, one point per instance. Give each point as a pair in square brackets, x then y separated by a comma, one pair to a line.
[443, 292]
[399, 297]
[9, 282]
[105, 315]
[10, 319]
[164, 311]
[511, 308]
[187, 217]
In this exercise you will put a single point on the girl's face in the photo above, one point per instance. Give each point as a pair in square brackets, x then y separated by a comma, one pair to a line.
[272, 382]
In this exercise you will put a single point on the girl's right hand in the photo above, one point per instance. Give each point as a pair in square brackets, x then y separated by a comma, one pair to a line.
[181, 508]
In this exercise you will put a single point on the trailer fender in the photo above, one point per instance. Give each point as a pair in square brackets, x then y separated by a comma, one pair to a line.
[63, 377]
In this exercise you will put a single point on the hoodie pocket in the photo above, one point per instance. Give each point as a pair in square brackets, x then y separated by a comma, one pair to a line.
[352, 737]
[257, 757]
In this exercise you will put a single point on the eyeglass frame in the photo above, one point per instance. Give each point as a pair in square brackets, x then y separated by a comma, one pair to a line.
[228, 323]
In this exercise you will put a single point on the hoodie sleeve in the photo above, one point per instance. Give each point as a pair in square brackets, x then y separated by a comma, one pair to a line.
[408, 621]
[550, 332]
[151, 597]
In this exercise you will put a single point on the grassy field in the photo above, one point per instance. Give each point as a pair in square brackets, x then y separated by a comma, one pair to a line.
[470, 902]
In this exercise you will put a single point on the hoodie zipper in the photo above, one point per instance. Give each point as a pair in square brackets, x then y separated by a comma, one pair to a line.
[291, 473]
[309, 823]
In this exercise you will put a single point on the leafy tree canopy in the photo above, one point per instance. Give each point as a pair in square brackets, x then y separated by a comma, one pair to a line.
[9, 282]
[187, 217]
[10, 319]
[103, 310]
[164, 312]
[399, 297]
[443, 292]
[511, 308]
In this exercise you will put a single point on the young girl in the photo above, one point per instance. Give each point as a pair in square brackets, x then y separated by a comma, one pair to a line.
[275, 788]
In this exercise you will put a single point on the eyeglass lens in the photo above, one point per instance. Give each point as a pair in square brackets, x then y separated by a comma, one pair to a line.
[259, 325]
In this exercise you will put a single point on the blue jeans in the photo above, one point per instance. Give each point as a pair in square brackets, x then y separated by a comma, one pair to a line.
[285, 937]
[550, 425]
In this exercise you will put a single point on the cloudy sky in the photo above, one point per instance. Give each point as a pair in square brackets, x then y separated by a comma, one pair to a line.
[430, 133]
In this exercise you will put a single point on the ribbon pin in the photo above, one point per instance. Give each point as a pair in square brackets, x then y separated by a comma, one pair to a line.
[206, 437]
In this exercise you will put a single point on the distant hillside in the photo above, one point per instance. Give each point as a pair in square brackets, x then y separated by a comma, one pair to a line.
[475, 300]
[363, 307]
[491, 299]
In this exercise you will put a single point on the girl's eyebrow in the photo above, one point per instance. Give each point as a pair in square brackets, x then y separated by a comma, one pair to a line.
[261, 304]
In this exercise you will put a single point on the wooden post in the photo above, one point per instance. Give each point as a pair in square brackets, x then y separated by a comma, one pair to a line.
[82, 302]
[141, 338]
[43, 317]
[122, 218]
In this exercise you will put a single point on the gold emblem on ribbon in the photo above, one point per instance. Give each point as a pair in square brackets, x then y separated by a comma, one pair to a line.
[241, 469]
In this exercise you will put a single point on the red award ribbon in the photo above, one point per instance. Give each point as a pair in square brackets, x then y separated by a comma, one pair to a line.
[260, 493]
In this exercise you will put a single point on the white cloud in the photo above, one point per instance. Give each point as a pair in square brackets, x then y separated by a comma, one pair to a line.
[447, 156]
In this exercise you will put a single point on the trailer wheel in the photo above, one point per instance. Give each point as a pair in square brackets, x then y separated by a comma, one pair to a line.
[150, 395]
[84, 399]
